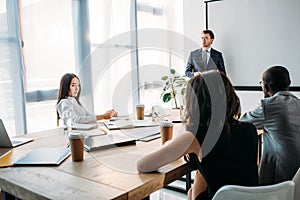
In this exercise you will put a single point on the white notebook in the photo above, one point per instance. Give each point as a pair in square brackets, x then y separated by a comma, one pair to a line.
[84, 127]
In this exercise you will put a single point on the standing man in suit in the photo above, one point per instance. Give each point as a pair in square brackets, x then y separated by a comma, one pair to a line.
[279, 115]
[205, 58]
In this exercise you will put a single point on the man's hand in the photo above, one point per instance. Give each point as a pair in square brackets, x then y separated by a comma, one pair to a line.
[197, 73]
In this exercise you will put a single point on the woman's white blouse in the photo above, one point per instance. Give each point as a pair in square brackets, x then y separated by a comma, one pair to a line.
[79, 113]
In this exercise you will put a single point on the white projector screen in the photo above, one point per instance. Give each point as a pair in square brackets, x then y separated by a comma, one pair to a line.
[256, 34]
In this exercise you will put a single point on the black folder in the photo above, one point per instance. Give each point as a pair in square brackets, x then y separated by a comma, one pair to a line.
[108, 141]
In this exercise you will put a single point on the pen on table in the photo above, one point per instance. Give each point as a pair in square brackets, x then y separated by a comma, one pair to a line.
[104, 131]
[115, 113]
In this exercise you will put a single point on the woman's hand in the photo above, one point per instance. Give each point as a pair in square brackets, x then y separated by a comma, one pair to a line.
[115, 113]
[109, 114]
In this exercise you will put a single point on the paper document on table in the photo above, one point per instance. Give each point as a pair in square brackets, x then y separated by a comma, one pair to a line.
[123, 124]
[84, 127]
[124, 117]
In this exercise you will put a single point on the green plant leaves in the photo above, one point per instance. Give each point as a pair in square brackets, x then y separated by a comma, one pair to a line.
[174, 83]
[167, 97]
[164, 78]
[183, 91]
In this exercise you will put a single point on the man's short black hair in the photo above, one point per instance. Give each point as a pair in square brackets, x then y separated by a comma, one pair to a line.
[277, 78]
[211, 34]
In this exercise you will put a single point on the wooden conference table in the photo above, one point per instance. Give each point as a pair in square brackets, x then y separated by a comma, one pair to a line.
[104, 174]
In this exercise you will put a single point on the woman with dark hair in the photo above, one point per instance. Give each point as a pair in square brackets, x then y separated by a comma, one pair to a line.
[222, 149]
[68, 101]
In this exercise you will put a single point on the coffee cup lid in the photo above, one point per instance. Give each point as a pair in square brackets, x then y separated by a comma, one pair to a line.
[140, 105]
[165, 123]
[76, 135]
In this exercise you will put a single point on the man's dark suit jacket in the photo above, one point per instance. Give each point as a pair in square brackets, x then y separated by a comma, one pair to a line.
[195, 62]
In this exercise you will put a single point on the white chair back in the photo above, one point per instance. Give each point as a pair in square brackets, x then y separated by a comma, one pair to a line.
[279, 191]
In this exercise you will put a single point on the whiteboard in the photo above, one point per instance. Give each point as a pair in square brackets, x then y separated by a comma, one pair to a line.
[256, 34]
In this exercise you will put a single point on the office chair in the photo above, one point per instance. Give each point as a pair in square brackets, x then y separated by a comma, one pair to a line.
[296, 180]
[279, 191]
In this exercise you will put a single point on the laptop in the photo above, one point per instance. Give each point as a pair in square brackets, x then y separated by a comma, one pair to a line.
[44, 156]
[5, 141]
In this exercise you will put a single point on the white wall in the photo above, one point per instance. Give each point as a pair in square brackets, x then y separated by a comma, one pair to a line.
[255, 34]
[250, 99]
[252, 34]
[194, 19]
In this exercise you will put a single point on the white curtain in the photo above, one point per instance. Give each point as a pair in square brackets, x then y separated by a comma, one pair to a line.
[111, 55]
[12, 101]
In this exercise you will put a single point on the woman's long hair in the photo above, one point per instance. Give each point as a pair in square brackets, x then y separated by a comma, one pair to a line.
[64, 87]
[199, 107]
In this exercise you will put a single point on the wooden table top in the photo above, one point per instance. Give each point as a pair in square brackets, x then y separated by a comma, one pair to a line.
[104, 174]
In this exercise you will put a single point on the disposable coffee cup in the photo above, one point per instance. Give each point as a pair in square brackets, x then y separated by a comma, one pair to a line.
[76, 140]
[140, 111]
[166, 131]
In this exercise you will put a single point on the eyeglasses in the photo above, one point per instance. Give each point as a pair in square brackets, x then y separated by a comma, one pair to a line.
[260, 83]
[205, 38]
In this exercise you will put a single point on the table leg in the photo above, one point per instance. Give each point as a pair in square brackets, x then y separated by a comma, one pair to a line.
[188, 182]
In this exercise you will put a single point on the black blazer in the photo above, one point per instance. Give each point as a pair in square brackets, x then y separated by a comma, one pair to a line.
[195, 62]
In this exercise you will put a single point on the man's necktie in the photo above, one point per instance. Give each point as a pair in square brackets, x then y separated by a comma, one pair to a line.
[204, 57]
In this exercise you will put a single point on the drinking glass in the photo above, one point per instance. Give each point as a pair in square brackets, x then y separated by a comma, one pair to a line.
[155, 113]
[67, 118]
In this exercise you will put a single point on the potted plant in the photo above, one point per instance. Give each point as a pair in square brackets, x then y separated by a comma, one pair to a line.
[174, 85]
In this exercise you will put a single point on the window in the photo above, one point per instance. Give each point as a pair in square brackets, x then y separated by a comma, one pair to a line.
[164, 17]
[48, 37]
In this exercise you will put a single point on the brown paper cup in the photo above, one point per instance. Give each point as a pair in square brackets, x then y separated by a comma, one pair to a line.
[140, 111]
[166, 131]
[77, 146]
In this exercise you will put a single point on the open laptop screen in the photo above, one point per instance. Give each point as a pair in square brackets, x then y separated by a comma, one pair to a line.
[5, 141]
